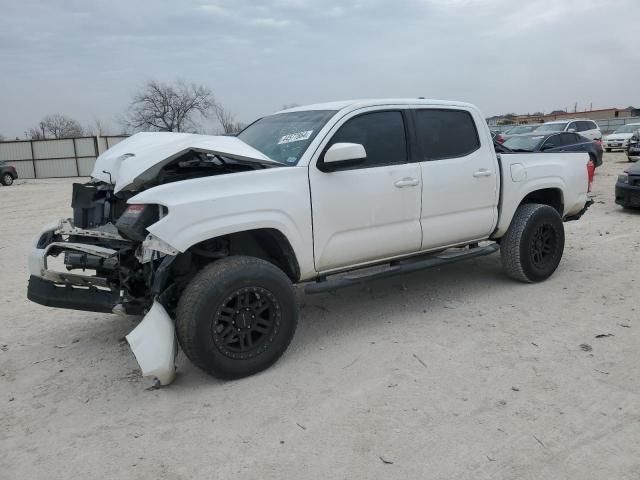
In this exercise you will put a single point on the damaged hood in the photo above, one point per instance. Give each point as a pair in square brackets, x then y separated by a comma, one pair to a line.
[139, 158]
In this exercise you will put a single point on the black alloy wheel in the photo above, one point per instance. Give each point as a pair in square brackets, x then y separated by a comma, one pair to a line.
[246, 322]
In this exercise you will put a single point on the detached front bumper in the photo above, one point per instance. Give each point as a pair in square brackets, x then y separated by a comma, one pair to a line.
[50, 294]
[64, 289]
[153, 341]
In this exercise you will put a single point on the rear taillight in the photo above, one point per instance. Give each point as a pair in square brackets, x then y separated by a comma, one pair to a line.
[591, 171]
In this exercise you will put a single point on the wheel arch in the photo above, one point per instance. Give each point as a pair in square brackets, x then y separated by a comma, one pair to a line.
[552, 197]
[269, 244]
[545, 193]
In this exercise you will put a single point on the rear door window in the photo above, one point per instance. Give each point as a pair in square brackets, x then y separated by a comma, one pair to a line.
[444, 133]
[570, 138]
[584, 126]
[554, 141]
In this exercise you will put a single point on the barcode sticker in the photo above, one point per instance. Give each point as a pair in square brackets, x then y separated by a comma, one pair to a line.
[295, 137]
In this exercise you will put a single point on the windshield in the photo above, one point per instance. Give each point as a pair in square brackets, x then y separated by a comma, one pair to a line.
[284, 137]
[628, 128]
[551, 127]
[524, 144]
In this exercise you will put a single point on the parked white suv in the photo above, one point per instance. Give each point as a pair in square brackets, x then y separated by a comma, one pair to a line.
[586, 128]
[207, 235]
[619, 140]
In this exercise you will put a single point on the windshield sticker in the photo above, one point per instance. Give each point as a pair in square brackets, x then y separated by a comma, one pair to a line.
[295, 137]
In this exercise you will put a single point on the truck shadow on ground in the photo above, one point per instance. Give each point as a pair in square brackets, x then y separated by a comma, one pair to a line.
[364, 310]
[376, 302]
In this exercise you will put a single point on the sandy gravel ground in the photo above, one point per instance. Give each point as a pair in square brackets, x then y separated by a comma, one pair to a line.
[455, 373]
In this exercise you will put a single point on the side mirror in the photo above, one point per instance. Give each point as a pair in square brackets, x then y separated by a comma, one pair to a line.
[547, 146]
[342, 155]
[572, 130]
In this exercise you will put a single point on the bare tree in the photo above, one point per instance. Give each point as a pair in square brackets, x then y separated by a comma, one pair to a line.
[169, 107]
[36, 133]
[56, 126]
[97, 127]
[61, 126]
[227, 120]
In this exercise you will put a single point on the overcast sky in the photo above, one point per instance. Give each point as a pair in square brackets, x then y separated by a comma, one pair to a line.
[86, 59]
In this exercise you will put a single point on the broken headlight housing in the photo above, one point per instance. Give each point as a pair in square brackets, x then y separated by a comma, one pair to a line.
[133, 223]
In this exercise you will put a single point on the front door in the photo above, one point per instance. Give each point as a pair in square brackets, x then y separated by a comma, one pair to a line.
[371, 211]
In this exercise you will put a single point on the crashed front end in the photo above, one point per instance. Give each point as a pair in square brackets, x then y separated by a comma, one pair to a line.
[105, 260]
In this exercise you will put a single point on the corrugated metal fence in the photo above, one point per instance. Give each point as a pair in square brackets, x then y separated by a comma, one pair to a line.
[65, 157]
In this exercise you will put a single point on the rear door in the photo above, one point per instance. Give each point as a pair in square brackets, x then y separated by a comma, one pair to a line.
[553, 143]
[371, 211]
[459, 172]
[572, 142]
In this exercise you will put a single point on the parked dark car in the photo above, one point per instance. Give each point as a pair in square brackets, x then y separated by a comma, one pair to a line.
[633, 148]
[555, 142]
[628, 187]
[7, 174]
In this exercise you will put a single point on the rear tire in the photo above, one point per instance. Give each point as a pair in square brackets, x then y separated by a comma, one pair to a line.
[532, 247]
[7, 179]
[236, 317]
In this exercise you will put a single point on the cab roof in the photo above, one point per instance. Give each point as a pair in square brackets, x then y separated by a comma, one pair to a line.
[361, 103]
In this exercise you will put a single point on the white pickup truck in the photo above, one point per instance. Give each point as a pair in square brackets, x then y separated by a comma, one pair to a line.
[206, 236]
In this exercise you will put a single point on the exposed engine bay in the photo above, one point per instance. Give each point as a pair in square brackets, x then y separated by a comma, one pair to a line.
[111, 263]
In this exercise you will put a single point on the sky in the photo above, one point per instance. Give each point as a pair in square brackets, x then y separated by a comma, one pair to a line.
[86, 59]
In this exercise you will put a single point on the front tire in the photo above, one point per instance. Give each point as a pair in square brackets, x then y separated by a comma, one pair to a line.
[533, 245]
[236, 317]
[7, 179]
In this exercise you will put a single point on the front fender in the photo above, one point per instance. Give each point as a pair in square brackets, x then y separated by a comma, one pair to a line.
[204, 208]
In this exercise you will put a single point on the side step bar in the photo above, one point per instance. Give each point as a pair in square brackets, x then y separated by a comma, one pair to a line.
[403, 266]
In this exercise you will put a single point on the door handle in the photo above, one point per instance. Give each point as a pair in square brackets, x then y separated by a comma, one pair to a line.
[483, 172]
[406, 182]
